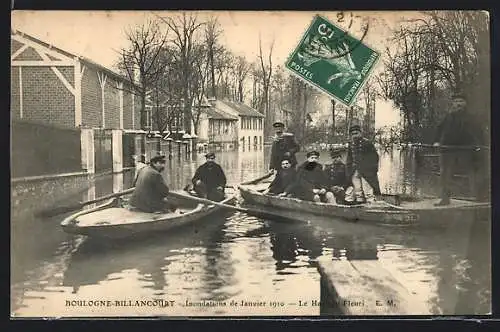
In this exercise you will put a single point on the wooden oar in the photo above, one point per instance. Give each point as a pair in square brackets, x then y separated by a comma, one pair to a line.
[250, 211]
[51, 212]
[254, 181]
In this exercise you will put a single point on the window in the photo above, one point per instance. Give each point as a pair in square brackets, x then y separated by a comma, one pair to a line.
[260, 140]
[241, 123]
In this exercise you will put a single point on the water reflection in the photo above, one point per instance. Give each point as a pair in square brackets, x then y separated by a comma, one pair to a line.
[236, 257]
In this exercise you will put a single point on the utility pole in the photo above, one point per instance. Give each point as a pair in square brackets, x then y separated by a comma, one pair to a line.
[333, 121]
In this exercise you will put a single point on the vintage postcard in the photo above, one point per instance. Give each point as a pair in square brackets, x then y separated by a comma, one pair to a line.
[243, 163]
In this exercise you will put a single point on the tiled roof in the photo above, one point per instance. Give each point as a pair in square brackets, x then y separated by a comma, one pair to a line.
[242, 109]
[214, 113]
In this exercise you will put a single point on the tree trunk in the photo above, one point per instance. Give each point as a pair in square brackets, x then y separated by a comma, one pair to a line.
[143, 110]
[212, 71]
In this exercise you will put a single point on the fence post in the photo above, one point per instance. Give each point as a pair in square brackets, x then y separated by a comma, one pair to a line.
[88, 150]
[117, 150]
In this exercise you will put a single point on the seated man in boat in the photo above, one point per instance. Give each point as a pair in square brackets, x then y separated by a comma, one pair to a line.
[151, 189]
[311, 183]
[209, 180]
[283, 181]
[362, 169]
[337, 178]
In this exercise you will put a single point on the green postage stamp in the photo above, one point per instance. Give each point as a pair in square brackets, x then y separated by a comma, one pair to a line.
[332, 60]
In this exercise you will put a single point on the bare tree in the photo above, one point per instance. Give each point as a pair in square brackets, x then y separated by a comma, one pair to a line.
[369, 94]
[140, 59]
[199, 85]
[267, 70]
[184, 28]
[212, 33]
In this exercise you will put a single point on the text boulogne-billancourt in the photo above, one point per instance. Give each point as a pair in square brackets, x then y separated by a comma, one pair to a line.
[120, 303]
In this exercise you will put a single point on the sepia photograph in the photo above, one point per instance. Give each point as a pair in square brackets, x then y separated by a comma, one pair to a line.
[250, 163]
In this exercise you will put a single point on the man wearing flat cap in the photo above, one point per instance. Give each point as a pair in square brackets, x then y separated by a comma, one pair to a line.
[337, 177]
[458, 129]
[151, 189]
[362, 168]
[311, 183]
[284, 147]
[209, 179]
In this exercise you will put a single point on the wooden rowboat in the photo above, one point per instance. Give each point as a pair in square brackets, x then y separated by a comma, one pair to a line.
[114, 219]
[414, 212]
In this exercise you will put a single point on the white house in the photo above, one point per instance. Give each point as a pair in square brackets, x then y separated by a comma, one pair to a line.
[218, 129]
[250, 123]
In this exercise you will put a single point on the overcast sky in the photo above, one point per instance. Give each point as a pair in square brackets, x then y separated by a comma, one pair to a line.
[98, 35]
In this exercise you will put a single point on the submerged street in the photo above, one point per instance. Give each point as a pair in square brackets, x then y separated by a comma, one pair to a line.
[235, 264]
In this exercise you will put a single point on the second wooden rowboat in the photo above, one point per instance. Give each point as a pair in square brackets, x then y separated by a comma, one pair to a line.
[114, 219]
[414, 212]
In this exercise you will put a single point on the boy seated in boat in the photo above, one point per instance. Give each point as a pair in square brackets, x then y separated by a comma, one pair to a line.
[209, 180]
[337, 177]
[283, 181]
[151, 189]
[311, 183]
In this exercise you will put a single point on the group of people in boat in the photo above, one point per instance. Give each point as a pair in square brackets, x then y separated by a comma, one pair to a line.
[352, 182]
[151, 189]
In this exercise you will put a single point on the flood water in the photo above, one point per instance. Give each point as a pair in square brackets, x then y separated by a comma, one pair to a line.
[235, 258]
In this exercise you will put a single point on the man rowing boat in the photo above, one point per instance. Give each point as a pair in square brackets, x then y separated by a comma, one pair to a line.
[209, 179]
[151, 189]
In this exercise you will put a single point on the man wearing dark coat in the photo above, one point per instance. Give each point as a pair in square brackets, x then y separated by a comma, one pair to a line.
[284, 147]
[458, 129]
[362, 168]
[337, 177]
[209, 180]
[311, 183]
[284, 180]
[151, 189]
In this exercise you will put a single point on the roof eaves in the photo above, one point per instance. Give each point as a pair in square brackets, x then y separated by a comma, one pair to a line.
[72, 55]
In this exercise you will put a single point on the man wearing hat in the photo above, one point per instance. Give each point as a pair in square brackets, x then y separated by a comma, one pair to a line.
[311, 183]
[284, 147]
[151, 189]
[209, 179]
[457, 129]
[362, 168]
[337, 177]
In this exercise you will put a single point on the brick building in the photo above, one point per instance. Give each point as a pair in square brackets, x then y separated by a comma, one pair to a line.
[53, 87]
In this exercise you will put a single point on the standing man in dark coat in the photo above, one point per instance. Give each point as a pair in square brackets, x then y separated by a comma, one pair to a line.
[284, 147]
[209, 180]
[362, 168]
[284, 180]
[151, 189]
[337, 177]
[311, 183]
[457, 130]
